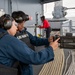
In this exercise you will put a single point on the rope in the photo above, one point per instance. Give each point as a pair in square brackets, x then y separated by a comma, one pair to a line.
[66, 63]
[71, 69]
[54, 67]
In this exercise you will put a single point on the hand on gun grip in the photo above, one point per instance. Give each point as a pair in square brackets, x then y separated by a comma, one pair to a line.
[50, 39]
[54, 44]
[56, 37]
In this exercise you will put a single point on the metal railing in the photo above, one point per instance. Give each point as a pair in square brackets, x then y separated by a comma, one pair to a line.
[68, 27]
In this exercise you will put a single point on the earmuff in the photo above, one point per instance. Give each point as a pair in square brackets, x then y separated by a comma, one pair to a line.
[20, 19]
[6, 21]
[8, 24]
[20, 16]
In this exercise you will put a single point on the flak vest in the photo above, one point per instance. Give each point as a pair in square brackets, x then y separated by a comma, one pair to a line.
[25, 38]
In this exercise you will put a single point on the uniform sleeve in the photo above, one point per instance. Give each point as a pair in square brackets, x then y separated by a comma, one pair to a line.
[41, 26]
[21, 52]
[36, 41]
[44, 24]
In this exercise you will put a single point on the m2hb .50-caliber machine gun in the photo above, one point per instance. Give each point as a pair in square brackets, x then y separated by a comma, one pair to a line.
[67, 41]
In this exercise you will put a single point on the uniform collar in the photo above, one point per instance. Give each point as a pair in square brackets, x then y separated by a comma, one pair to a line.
[2, 30]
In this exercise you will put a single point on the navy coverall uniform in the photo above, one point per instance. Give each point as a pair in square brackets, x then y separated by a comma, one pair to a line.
[13, 49]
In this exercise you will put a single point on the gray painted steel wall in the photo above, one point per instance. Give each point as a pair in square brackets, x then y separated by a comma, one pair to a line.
[4, 5]
[30, 7]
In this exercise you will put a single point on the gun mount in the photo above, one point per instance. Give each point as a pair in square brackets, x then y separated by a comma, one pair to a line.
[67, 41]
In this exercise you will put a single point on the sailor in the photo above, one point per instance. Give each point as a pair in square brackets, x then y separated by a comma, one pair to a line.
[20, 17]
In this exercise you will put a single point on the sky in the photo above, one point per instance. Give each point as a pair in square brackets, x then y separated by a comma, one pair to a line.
[69, 4]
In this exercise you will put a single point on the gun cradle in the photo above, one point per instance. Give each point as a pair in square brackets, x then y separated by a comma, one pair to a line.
[67, 41]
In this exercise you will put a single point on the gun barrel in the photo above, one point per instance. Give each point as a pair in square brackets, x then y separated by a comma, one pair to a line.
[65, 8]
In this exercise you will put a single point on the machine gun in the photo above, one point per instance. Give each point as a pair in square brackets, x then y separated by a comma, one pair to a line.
[67, 41]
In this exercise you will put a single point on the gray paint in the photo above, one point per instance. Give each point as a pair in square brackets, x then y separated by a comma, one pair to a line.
[55, 25]
[30, 7]
[4, 5]
[10, 7]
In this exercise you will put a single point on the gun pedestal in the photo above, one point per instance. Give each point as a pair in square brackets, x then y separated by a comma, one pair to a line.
[67, 42]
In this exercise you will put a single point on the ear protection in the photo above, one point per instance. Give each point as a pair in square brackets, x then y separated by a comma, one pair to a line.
[6, 21]
[20, 19]
[7, 25]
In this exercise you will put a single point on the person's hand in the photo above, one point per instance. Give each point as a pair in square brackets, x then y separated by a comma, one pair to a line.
[50, 39]
[38, 26]
[54, 44]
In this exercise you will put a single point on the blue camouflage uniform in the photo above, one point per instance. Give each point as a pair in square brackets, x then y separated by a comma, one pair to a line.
[13, 49]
